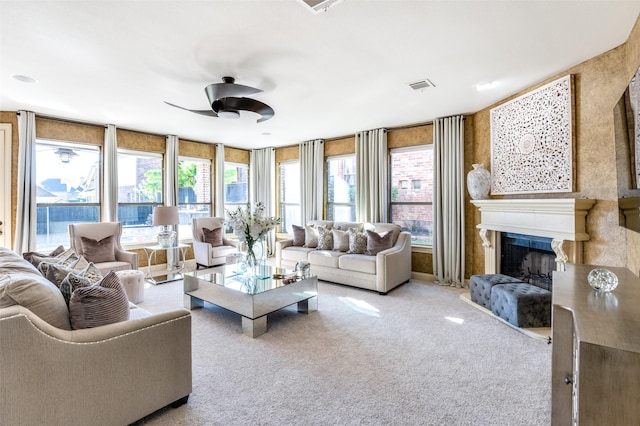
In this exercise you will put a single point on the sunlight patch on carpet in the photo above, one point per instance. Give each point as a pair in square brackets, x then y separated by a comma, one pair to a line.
[360, 306]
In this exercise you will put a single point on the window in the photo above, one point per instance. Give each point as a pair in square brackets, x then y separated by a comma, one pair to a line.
[194, 192]
[139, 191]
[411, 207]
[341, 188]
[289, 195]
[67, 190]
[236, 187]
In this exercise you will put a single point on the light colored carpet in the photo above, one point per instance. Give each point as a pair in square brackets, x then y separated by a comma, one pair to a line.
[418, 356]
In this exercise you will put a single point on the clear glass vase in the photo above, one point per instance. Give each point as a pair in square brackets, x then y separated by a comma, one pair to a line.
[254, 256]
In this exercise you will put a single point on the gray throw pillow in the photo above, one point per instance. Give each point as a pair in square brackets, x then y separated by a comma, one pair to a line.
[325, 238]
[29, 256]
[298, 235]
[99, 251]
[357, 241]
[212, 236]
[103, 303]
[378, 242]
[71, 282]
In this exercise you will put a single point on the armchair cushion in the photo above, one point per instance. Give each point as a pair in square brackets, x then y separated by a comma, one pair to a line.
[212, 236]
[103, 303]
[99, 250]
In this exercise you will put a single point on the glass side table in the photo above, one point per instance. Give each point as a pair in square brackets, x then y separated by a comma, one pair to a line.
[169, 274]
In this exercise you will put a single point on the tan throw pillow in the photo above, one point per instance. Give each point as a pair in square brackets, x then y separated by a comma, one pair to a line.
[310, 237]
[357, 241]
[99, 251]
[298, 235]
[340, 240]
[212, 236]
[325, 238]
[100, 304]
[37, 294]
[378, 242]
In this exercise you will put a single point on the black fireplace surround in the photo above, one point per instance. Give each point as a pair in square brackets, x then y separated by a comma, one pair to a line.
[528, 258]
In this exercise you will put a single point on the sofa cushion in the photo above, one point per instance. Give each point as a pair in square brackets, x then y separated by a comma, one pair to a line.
[378, 242]
[212, 236]
[357, 242]
[99, 251]
[326, 258]
[358, 263]
[34, 292]
[340, 240]
[103, 303]
[298, 235]
[296, 254]
[325, 238]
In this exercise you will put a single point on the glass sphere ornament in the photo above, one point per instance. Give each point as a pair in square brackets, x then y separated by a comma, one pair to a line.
[602, 280]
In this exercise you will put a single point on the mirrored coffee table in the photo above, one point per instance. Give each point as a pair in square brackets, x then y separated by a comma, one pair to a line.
[251, 296]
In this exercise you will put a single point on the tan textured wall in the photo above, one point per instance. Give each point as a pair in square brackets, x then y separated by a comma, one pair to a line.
[599, 82]
[128, 139]
[197, 149]
[235, 155]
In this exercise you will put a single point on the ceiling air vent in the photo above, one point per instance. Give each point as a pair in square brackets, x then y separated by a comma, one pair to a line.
[422, 84]
[317, 6]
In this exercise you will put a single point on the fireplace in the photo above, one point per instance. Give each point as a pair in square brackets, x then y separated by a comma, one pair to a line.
[527, 257]
[560, 222]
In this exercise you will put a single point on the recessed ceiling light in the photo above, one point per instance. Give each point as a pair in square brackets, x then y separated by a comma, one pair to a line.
[24, 78]
[266, 134]
[486, 85]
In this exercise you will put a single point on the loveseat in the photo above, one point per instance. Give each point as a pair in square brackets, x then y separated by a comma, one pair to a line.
[111, 374]
[336, 262]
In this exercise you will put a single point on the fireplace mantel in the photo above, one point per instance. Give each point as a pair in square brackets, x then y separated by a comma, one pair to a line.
[561, 219]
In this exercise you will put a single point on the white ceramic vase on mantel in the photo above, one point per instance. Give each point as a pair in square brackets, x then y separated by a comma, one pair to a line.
[479, 182]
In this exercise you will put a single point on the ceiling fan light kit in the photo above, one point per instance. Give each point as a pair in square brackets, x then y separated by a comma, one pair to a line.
[227, 99]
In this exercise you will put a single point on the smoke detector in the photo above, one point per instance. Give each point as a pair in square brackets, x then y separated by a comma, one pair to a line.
[317, 6]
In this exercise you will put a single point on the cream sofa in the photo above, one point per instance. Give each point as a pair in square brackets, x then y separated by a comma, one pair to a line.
[382, 272]
[109, 375]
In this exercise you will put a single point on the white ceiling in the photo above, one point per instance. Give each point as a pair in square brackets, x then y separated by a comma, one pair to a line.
[325, 75]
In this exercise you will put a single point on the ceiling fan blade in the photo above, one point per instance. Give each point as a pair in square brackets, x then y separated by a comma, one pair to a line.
[247, 104]
[207, 112]
[228, 89]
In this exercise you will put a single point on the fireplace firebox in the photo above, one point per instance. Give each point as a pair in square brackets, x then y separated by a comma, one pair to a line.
[527, 257]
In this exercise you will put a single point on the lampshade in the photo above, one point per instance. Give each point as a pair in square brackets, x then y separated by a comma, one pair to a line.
[165, 215]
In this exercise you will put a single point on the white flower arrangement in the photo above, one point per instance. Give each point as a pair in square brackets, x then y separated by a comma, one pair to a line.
[251, 226]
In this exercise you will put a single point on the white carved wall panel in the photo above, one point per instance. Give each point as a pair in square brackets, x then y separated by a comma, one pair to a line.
[532, 141]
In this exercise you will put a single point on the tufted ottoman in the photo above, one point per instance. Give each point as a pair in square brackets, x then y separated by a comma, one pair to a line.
[523, 305]
[133, 283]
[481, 285]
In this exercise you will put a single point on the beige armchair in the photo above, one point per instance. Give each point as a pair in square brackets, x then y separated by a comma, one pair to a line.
[206, 254]
[98, 231]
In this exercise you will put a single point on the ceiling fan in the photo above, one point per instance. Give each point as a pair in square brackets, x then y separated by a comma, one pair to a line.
[227, 99]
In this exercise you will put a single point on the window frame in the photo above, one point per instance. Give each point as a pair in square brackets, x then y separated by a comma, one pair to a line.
[150, 227]
[329, 205]
[98, 187]
[281, 190]
[423, 186]
[187, 226]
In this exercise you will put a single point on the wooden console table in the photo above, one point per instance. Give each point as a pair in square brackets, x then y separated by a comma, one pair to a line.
[596, 350]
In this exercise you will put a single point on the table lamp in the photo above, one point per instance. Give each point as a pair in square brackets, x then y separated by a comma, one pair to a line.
[166, 216]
